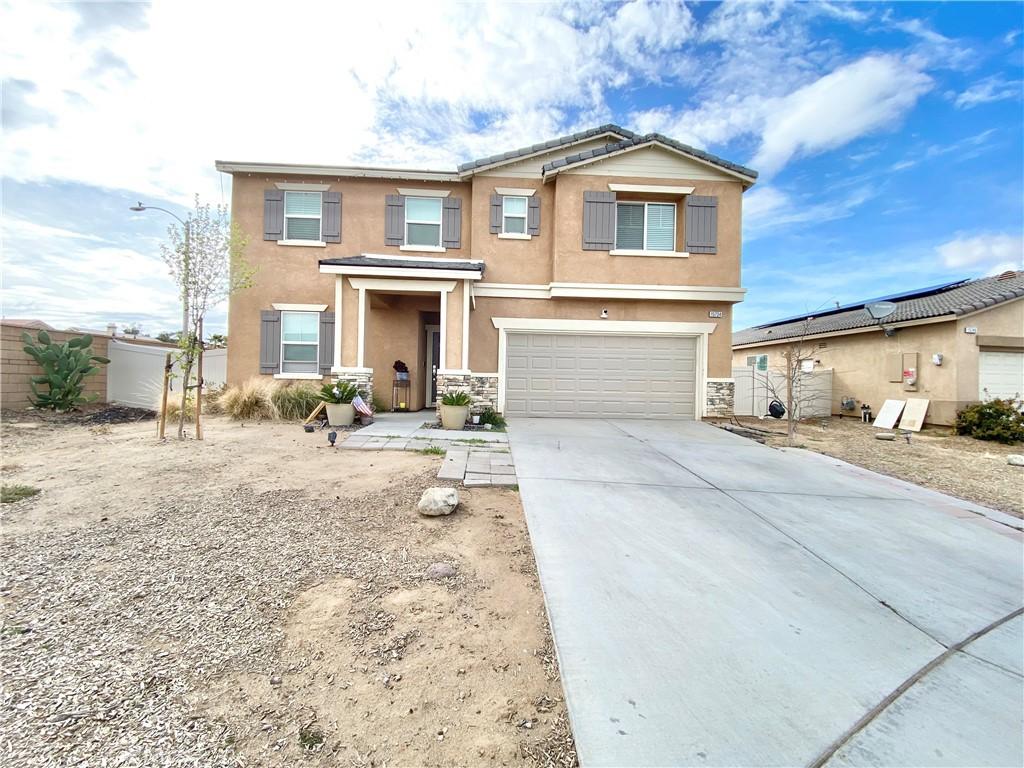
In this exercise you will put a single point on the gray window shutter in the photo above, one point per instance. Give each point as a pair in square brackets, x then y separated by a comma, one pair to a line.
[273, 214]
[701, 224]
[270, 341]
[394, 220]
[598, 221]
[496, 203]
[326, 342]
[451, 222]
[533, 216]
[331, 226]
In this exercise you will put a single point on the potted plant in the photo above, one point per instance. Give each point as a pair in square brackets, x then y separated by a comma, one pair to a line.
[454, 410]
[339, 397]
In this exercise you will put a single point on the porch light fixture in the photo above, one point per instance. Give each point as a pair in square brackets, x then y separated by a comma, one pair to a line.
[604, 314]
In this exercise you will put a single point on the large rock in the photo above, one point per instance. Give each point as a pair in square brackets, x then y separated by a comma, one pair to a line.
[439, 571]
[438, 501]
[885, 436]
[1015, 459]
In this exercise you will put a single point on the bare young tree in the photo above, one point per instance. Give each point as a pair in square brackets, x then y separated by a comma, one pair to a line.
[205, 259]
[792, 381]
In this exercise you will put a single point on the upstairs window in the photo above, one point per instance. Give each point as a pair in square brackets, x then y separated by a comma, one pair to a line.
[302, 212]
[300, 341]
[645, 226]
[423, 221]
[513, 215]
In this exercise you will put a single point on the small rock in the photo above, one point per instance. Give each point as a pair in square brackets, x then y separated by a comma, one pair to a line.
[439, 571]
[275, 679]
[438, 501]
[1015, 459]
[885, 436]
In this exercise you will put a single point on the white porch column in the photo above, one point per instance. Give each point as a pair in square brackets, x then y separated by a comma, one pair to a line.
[362, 327]
[444, 330]
[465, 324]
[336, 368]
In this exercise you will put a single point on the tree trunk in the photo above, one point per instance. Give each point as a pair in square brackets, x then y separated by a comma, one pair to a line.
[187, 377]
[790, 373]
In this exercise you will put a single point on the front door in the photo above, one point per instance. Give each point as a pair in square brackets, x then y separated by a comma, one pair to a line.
[433, 358]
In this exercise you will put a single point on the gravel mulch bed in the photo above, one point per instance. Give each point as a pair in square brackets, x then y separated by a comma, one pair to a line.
[107, 629]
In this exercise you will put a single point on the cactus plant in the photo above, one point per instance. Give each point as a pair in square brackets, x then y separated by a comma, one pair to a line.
[65, 366]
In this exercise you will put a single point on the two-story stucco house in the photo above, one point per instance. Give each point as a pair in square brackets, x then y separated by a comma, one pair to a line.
[590, 275]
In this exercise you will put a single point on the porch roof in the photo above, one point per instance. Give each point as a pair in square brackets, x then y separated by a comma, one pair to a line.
[404, 263]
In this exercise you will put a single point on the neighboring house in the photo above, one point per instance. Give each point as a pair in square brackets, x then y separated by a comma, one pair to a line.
[953, 344]
[591, 275]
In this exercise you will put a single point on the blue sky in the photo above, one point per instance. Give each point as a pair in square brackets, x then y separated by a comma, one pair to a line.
[888, 136]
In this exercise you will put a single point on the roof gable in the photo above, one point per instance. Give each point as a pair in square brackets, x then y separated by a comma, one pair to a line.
[651, 161]
[613, 132]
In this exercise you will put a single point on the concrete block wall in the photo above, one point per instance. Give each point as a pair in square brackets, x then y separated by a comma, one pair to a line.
[17, 367]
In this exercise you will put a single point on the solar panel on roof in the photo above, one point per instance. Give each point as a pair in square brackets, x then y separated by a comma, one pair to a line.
[914, 294]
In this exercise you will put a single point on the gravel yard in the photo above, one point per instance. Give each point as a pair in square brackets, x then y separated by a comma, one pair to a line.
[936, 458]
[259, 599]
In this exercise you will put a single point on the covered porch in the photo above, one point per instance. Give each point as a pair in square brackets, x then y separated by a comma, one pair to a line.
[410, 309]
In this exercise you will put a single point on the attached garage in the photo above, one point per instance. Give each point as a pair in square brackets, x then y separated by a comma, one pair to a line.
[1000, 375]
[593, 375]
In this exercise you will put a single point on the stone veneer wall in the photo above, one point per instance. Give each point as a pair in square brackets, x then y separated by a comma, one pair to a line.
[483, 390]
[721, 398]
[362, 379]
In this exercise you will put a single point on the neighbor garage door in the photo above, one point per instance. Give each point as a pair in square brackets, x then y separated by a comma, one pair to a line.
[1000, 374]
[589, 375]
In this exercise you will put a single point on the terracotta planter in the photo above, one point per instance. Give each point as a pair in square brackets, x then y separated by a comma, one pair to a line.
[340, 414]
[454, 416]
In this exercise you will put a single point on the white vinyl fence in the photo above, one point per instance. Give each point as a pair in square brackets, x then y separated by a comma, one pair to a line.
[136, 372]
[812, 392]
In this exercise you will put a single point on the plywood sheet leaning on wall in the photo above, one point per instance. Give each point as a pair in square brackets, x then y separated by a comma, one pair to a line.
[913, 414]
[888, 414]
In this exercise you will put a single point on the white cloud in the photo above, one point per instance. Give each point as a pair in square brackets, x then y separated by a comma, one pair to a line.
[871, 94]
[988, 90]
[767, 209]
[996, 252]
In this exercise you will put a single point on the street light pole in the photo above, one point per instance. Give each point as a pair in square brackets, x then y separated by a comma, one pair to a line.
[185, 272]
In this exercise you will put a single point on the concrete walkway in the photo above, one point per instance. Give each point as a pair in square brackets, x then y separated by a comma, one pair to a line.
[716, 602]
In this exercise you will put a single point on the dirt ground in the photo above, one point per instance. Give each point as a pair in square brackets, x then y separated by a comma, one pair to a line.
[259, 598]
[936, 458]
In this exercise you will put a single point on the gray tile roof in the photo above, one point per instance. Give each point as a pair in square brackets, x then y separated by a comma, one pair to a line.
[399, 262]
[552, 144]
[649, 138]
[956, 299]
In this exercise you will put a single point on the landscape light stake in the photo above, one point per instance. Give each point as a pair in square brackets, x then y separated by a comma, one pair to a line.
[163, 397]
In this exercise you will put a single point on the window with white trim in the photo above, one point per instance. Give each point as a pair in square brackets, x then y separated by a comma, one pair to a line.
[423, 221]
[302, 212]
[300, 342]
[645, 226]
[513, 215]
[760, 362]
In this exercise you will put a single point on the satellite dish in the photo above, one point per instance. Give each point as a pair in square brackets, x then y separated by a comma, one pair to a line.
[880, 309]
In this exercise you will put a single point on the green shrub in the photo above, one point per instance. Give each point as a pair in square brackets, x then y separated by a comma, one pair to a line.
[999, 420]
[455, 398]
[340, 392]
[251, 400]
[295, 402]
[65, 366]
[492, 417]
[378, 404]
[16, 492]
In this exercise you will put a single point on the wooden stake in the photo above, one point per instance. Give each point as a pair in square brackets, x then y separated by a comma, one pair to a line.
[199, 385]
[163, 397]
[316, 411]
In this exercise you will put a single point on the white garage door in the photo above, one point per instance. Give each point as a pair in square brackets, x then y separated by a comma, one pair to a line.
[1001, 375]
[589, 375]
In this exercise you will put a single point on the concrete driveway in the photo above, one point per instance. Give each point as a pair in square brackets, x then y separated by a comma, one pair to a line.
[715, 602]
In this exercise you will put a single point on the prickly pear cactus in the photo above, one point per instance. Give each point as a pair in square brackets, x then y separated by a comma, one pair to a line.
[65, 366]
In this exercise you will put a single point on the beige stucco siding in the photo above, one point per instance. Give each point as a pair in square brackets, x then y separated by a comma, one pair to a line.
[513, 261]
[572, 264]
